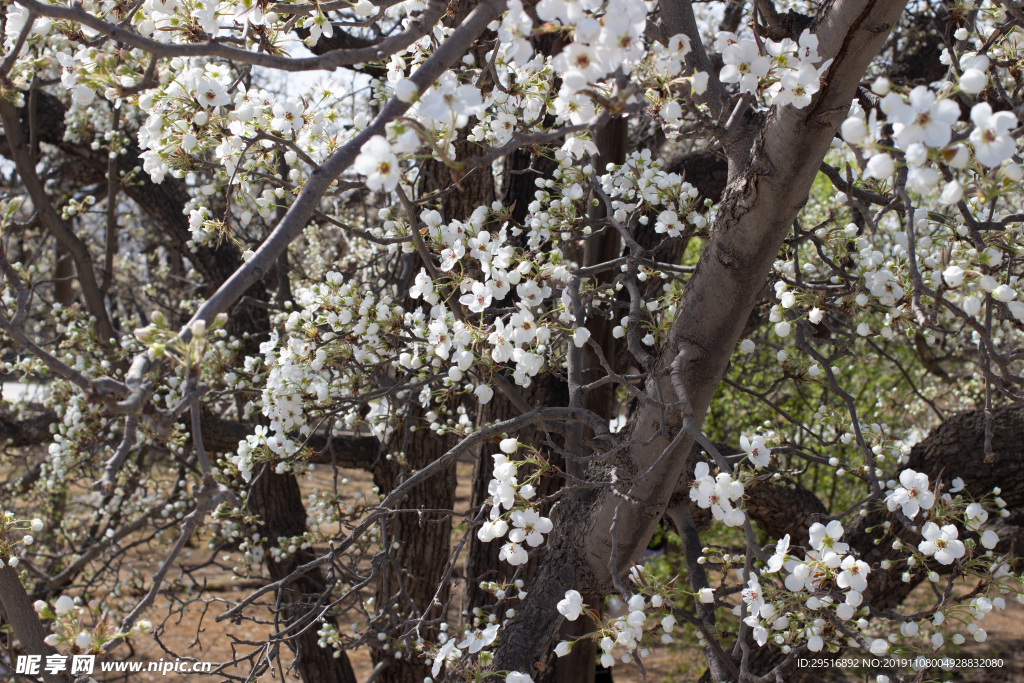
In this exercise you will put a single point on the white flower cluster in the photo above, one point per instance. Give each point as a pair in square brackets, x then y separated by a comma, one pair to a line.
[641, 185]
[913, 494]
[73, 425]
[826, 564]
[942, 543]
[527, 523]
[631, 631]
[8, 523]
[520, 339]
[717, 493]
[15, 20]
[192, 111]
[922, 130]
[788, 64]
[475, 641]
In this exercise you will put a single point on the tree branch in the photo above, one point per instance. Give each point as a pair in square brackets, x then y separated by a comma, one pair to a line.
[53, 222]
[448, 53]
[21, 615]
[329, 61]
[677, 17]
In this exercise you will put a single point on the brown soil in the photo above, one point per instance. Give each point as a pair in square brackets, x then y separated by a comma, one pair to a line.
[197, 635]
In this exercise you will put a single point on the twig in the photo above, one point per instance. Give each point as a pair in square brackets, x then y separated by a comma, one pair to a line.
[113, 185]
[109, 479]
[329, 60]
[12, 56]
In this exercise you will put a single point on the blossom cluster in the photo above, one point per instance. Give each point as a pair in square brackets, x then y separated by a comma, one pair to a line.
[718, 493]
[785, 70]
[527, 523]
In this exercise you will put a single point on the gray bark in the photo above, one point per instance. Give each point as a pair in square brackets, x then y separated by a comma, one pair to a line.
[17, 610]
[768, 186]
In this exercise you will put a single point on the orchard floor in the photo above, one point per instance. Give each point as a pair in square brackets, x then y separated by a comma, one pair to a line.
[1006, 640]
[198, 636]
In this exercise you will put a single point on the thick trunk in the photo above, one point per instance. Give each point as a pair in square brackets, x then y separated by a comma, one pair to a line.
[611, 141]
[780, 509]
[705, 170]
[518, 183]
[956, 448]
[580, 665]
[278, 501]
[518, 190]
[769, 186]
[470, 191]
[408, 585]
[527, 640]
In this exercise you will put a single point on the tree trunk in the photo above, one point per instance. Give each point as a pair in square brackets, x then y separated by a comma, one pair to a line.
[472, 190]
[278, 501]
[769, 184]
[611, 141]
[63, 274]
[407, 587]
[956, 448]
[518, 182]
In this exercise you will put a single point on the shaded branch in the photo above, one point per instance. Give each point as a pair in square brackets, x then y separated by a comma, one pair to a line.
[329, 61]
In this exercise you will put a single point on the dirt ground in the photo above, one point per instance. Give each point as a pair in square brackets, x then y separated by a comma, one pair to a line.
[1006, 640]
[211, 641]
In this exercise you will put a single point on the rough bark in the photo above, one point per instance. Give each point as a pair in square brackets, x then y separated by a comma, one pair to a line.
[780, 509]
[953, 449]
[769, 184]
[518, 181]
[415, 569]
[956, 448]
[34, 430]
[780, 26]
[611, 142]
[482, 562]
[17, 611]
[465, 193]
[518, 186]
[913, 55]
[278, 500]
